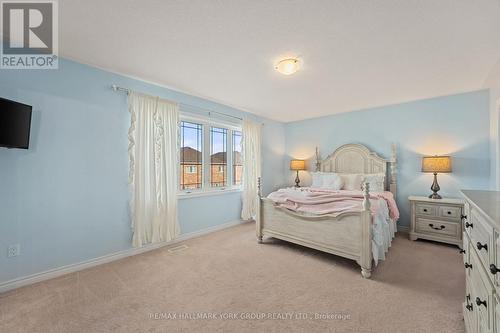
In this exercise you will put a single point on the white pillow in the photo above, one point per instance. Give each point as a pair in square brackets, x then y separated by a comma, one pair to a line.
[352, 181]
[332, 181]
[327, 180]
[317, 179]
[376, 181]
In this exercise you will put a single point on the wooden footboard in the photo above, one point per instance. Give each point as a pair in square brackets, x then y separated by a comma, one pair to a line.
[347, 235]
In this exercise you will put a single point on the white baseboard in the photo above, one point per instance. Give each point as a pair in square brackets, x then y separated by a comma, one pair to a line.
[56, 272]
[403, 228]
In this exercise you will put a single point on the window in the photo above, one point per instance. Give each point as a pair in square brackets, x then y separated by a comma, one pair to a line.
[210, 155]
[237, 159]
[218, 157]
[191, 175]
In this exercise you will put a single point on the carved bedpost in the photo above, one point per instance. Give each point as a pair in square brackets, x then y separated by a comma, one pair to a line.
[366, 197]
[258, 216]
[259, 187]
[366, 234]
[394, 171]
[318, 160]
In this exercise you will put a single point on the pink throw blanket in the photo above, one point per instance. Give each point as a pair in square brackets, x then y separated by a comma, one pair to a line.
[323, 201]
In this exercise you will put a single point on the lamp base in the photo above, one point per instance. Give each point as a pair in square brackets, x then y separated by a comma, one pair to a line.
[435, 196]
[297, 180]
[435, 188]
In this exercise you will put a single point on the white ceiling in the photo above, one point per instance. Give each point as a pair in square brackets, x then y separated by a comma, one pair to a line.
[356, 53]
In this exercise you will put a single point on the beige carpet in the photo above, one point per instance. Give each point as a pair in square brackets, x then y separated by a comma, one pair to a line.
[418, 289]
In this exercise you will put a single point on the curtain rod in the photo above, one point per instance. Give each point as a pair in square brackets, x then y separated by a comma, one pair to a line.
[127, 91]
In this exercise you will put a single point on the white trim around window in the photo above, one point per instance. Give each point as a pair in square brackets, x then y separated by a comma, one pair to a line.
[207, 189]
[207, 193]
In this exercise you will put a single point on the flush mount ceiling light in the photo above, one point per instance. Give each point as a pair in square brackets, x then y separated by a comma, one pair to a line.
[288, 66]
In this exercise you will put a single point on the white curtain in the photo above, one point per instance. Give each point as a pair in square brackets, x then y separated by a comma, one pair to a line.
[251, 167]
[153, 156]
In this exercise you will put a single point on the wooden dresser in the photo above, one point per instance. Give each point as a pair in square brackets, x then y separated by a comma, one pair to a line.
[481, 253]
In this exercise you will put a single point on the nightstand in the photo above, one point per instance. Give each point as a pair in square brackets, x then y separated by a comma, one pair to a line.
[436, 219]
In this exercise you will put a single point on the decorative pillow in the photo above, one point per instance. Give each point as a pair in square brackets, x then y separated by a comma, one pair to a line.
[376, 181]
[332, 181]
[317, 179]
[327, 180]
[352, 181]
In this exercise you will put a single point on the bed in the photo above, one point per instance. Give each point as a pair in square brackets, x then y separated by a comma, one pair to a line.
[348, 234]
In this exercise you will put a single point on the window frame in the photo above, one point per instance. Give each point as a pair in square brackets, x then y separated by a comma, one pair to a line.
[233, 169]
[228, 176]
[207, 124]
[179, 167]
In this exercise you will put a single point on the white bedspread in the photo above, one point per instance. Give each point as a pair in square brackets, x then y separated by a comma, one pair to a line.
[384, 229]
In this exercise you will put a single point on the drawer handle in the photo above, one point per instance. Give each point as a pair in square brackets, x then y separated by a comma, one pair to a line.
[467, 265]
[463, 217]
[449, 213]
[462, 252]
[425, 210]
[479, 302]
[468, 306]
[482, 246]
[494, 269]
[469, 225]
[436, 228]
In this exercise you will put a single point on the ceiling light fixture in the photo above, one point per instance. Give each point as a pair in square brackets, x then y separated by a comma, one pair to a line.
[288, 66]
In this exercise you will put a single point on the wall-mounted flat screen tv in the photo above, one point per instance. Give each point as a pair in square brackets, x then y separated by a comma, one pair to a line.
[15, 124]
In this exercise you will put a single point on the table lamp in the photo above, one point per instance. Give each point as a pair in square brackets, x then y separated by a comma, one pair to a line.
[297, 165]
[436, 164]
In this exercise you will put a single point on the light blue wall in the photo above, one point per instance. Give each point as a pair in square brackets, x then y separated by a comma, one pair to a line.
[65, 200]
[493, 83]
[456, 125]
[495, 136]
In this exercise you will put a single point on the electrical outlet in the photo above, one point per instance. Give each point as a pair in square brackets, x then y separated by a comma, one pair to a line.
[14, 250]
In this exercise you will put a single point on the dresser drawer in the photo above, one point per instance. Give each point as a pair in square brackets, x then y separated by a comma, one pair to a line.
[466, 209]
[496, 301]
[467, 259]
[482, 295]
[481, 236]
[494, 270]
[450, 212]
[426, 210]
[441, 228]
[468, 308]
[469, 317]
[466, 220]
[465, 248]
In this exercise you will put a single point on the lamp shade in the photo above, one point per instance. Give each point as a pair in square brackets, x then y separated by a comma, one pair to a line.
[297, 165]
[436, 164]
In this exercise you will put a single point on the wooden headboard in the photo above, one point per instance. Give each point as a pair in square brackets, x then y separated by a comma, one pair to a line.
[356, 158]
